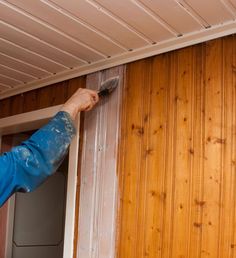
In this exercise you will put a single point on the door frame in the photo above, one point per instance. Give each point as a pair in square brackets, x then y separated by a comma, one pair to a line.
[31, 121]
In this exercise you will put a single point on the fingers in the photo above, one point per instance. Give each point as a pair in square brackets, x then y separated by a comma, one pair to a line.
[81, 100]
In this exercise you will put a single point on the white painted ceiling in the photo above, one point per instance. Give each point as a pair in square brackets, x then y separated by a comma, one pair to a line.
[46, 41]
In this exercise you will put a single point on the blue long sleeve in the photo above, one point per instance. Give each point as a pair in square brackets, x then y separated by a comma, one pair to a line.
[28, 165]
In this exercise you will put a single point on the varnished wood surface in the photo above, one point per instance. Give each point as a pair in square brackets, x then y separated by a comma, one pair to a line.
[177, 154]
[45, 97]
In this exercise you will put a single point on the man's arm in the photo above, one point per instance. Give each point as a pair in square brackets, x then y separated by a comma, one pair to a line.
[28, 165]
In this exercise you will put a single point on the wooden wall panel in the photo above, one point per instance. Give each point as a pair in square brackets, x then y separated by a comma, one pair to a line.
[177, 154]
[99, 181]
[177, 151]
[41, 98]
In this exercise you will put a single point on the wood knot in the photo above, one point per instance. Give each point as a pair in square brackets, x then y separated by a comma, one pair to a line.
[197, 224]
[200, 203]
[219, 140]
[191, 151]
[139, 130]
[149, 152]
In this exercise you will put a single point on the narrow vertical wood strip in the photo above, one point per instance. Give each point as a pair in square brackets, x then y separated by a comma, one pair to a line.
[233, 234]
[193, 111]
[213, 145]
[145, 149]
[226, 177]
[155, 156]
[196, 202]
[134, 134]
[169, 173]
[183, 153]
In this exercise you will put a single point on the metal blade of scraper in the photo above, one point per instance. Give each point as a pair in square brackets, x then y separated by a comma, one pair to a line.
[108, 86]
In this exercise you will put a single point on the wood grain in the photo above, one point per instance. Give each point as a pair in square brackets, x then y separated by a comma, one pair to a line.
[177, 154]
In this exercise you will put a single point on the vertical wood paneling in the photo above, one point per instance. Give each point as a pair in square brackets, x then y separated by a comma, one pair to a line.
[233, 203]
[177, 154]
[41, 98]
[155, 192]
[227, 176]
[183, 152]
[213, 148]
[196, 202]
[135, 132]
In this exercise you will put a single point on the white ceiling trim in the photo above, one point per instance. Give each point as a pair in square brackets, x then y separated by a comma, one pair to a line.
[165, 46]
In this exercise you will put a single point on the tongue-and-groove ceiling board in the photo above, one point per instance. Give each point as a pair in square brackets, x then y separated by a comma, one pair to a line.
[46, 41]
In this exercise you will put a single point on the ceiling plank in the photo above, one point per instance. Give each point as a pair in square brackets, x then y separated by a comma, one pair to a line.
[173, 14]
[214, 13]
[103, 22]
[71, 25]
[37, 45]
[38, 28]
[8, 81]
[27, 56]
[22, 67]
[15, 74]
[134, 16]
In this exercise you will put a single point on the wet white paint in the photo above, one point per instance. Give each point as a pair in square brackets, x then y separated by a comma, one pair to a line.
[99, 182]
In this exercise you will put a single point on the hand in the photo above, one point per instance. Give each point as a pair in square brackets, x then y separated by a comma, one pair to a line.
[81, 100]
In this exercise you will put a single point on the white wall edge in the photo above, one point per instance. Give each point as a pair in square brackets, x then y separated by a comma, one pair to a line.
[162, 47]
[71, 194]
[27, 121]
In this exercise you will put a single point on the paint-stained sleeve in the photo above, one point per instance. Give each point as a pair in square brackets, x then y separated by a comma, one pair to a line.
[28, 165]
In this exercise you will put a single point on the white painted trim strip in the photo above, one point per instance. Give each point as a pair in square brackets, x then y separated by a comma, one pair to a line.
[99, 180]
[10, 226]
[166, 46]
[27, 121]
[71, 194]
